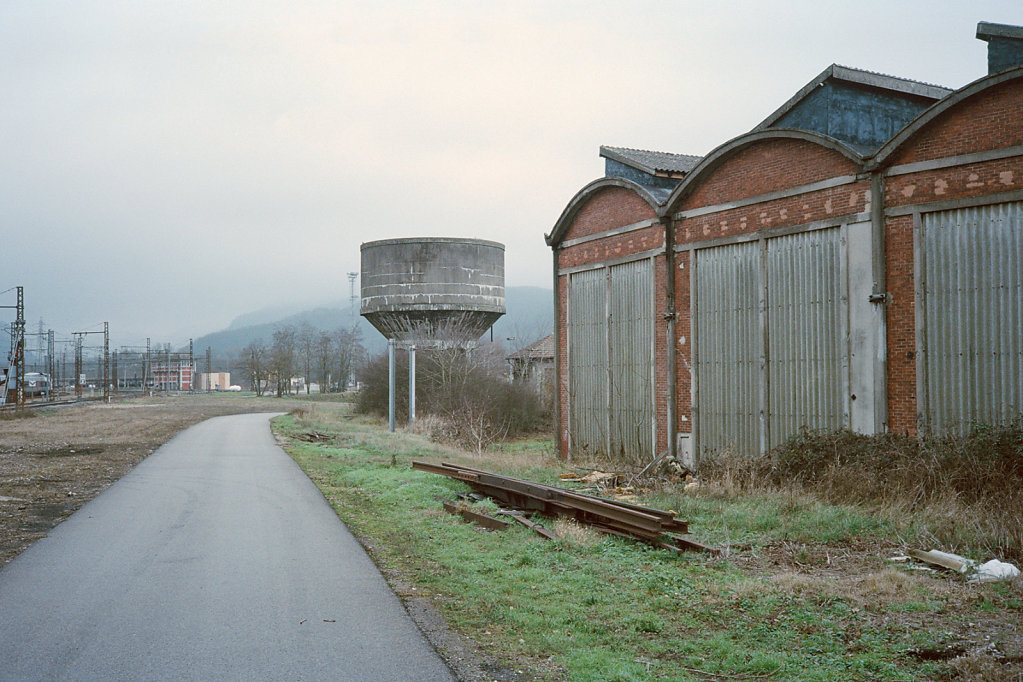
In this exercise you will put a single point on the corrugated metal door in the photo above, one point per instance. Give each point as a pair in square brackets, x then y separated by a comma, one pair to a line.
[587, 347]
[806, 333]
[803, 380]
[972, 343]
[631, 350]
[727, 331]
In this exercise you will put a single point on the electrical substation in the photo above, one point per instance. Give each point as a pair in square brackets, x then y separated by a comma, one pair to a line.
[47, 366]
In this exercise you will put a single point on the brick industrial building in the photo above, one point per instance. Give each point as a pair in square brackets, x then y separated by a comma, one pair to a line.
[853, 261]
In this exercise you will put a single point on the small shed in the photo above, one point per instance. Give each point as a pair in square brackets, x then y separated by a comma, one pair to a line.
[534, 363]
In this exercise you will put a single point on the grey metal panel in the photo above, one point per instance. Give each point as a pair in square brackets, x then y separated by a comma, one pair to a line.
[728, 330]
[631, 341]
[587, 333]
[973, 317]
[806, 335]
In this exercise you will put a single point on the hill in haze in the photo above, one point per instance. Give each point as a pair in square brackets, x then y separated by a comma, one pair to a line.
[529, 316]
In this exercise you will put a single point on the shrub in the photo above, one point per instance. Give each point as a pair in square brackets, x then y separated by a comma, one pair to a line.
[968, 488]
[465, 390]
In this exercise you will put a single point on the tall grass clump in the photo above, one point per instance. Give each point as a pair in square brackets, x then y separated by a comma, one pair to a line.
[963, 490]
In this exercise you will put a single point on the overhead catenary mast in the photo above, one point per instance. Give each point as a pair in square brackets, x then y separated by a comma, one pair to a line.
[351, 297]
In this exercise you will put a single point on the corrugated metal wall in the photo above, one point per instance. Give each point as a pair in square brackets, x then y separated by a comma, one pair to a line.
[973, 312]
[728, 354]
[610, 345]
[804, 381]
[631, 348]
[806, 334]
[587, 339]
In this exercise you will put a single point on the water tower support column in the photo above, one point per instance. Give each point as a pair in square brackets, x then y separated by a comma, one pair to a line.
[390, 385]
[411, 384]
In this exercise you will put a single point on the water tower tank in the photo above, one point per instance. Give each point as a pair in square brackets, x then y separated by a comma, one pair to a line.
[425, 288]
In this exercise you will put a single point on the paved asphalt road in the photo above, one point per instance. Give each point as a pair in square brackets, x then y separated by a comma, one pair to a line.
[214, 559]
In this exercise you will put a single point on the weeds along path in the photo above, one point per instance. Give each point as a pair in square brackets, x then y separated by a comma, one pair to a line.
[52, 461]
[806, 591]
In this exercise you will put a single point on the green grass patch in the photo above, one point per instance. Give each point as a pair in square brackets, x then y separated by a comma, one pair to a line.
[615, 609]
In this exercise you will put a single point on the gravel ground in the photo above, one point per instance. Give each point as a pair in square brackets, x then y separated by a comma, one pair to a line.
[55, 459]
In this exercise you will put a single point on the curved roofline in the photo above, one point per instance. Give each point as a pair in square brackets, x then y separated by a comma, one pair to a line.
[583, 195]
[726, 150]
[882, 155]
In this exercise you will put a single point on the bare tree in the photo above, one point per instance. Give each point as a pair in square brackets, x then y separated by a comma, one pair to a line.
[324, 349]
[282, 358]
[255, 363]
[348, 352]
[305, 337]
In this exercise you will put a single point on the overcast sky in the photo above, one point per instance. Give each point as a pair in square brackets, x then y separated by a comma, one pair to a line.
[167, 166]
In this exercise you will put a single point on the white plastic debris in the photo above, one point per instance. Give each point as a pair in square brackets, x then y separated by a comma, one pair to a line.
[952, 562]
[994, 570]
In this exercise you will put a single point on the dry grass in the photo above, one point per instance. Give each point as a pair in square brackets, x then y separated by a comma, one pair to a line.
[980, 666]
[575, 533]
[960, 491]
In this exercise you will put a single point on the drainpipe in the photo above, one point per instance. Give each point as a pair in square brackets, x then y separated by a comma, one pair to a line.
[669, 317]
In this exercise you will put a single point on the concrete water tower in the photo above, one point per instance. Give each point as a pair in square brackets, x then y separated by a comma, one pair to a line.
[430, 292]
[427, 290]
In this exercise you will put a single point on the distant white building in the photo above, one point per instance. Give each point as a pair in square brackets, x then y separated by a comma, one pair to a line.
[214, 381]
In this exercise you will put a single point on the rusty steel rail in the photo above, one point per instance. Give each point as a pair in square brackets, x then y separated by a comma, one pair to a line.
[667, 521]
[650, 525]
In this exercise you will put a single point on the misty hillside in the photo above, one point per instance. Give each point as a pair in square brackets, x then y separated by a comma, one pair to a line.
[529, 316]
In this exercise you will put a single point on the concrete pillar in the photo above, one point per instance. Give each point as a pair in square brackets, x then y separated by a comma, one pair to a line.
[411, 384]
[390, 385]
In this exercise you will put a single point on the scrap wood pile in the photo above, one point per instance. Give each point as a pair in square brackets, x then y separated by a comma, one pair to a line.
[312, 437]
[653, 526]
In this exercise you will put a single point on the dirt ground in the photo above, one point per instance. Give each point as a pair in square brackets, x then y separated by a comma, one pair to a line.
[55, 459]
[982, 637]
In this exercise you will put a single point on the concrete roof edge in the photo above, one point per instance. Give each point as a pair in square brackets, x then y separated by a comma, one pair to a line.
[440, 240]
[987, 30]
[884, 81]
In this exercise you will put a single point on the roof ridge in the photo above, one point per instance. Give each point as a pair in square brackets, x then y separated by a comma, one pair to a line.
[652, 151]
[898, 78]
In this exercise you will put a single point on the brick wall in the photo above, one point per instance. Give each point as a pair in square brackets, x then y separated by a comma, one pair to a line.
[989, 120]
[607, 209]
[608, 248]
[768, 166]
[562, 350]
[660, 354]
[683, 334]
[797, 210]
[901, 315]
[958, 182]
